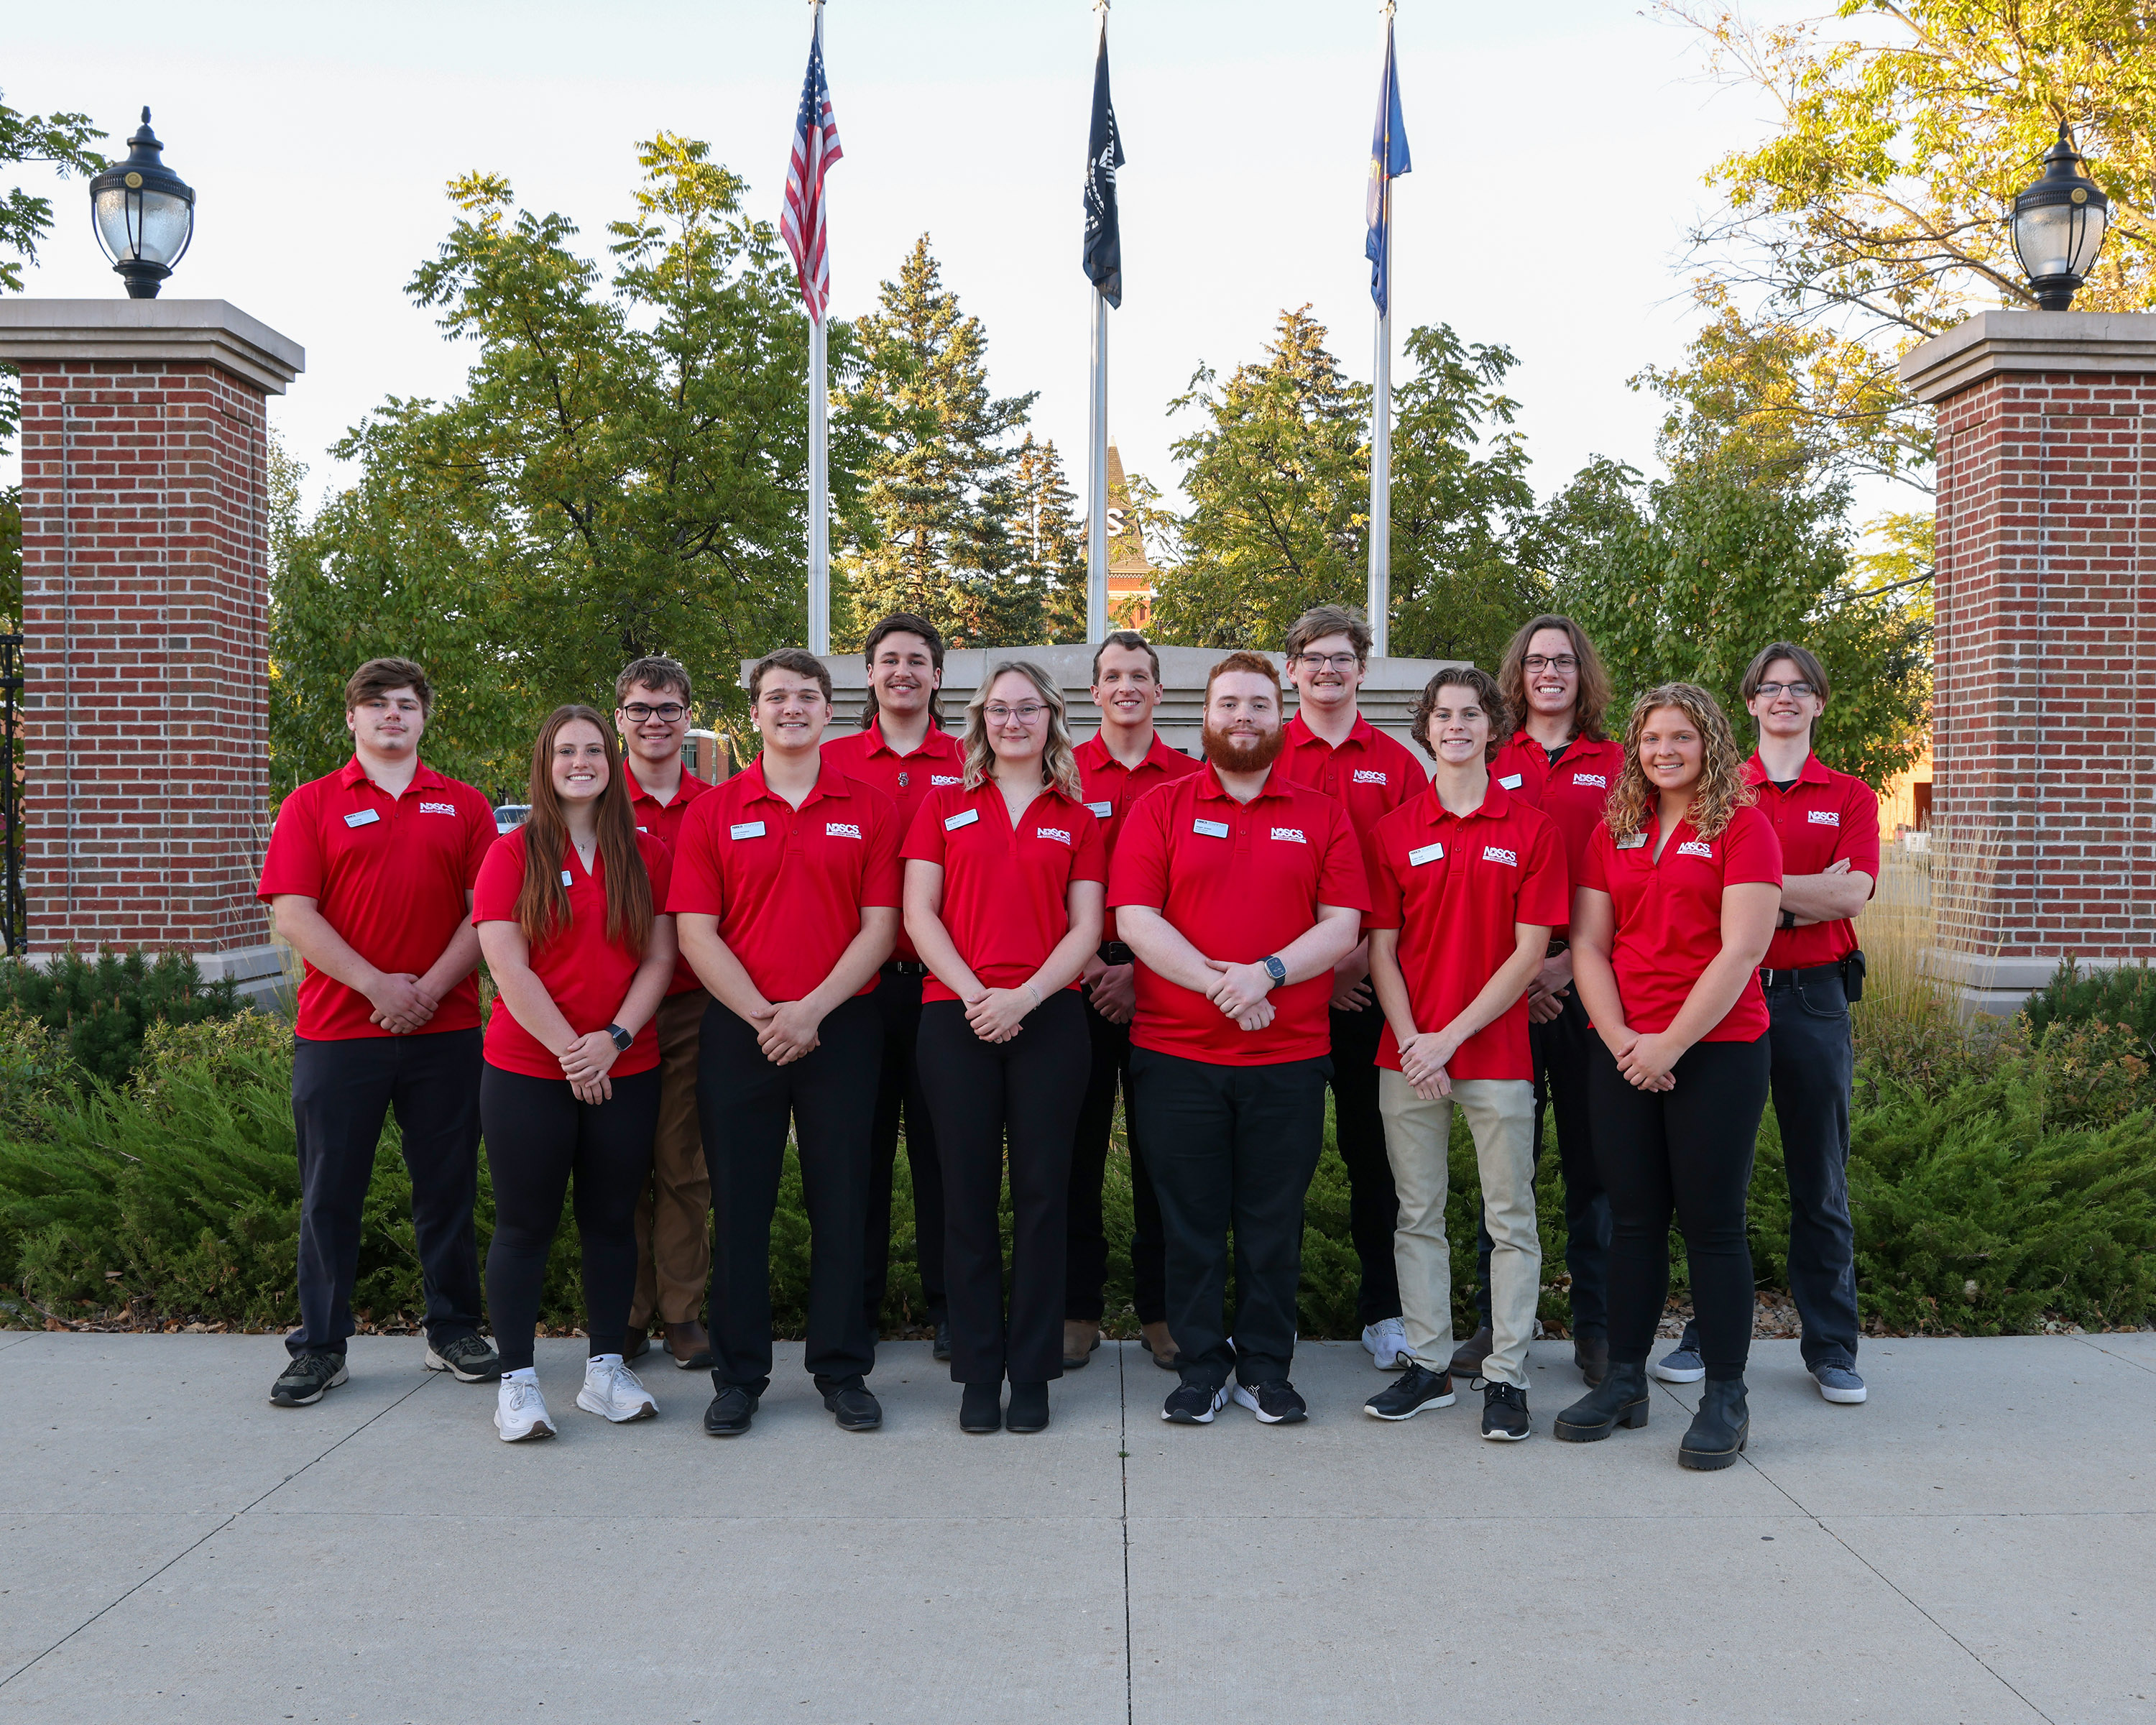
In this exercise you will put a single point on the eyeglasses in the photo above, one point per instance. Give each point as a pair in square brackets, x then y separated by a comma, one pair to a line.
[1025, 713]
[1543, 661]
[1774, 691]
[672, 713]
[1322, 661]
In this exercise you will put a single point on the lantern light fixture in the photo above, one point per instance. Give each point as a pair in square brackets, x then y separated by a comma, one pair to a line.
[2058, 224]
[143, 214]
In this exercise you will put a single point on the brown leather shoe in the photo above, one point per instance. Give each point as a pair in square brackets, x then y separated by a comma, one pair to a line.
[1082, 1341]
[1468, 1356]
[690, 1346]
[637, 1343]
[1159, 1344]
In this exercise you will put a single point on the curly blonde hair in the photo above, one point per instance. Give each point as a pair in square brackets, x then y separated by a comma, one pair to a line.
[1720, 790]
[1058, 756]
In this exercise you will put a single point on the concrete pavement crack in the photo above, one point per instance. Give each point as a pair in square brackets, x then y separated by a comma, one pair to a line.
[1123, 1467]
[2109, 1354]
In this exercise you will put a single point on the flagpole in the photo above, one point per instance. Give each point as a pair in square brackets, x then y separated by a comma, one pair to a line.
[820, 478]
[1381, 417]
[1097, 481]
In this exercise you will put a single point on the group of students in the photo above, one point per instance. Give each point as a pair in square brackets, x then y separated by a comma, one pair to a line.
[991, 935]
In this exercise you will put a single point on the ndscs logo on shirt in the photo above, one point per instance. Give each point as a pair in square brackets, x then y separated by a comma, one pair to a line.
[1696, 847]
[841, 830]
[446, 808]
[1822, 817]
[1056, 833]
[1289, 835]
[1492, 852]
[1600, 781]
[944, 778]
[1363, 775]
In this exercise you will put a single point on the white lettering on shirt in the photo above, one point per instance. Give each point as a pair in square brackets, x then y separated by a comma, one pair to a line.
[746, 829]
[1363, 775]
[1056, 833]
[944, 778]
[437, 808]
[1696, 847]
[364, 818]
[1425, 854]
[1600, 781]
[1632, 841]
[1511, 781]
[1105, 810]
[1291, 835]
[1510, 859]
[841, 830]
[1823, 817]
[952, 822]
[1210, 829]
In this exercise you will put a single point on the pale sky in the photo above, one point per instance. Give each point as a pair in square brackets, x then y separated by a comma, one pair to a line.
[1558, 150]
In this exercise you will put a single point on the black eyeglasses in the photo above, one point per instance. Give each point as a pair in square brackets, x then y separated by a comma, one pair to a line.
[1543, 661]
[672, 713]
[1771, 691]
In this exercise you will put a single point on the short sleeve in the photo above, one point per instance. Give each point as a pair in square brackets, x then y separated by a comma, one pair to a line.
[295, 862]
[1595, 866]
[1092, 861]
[1545, 898]
[500, 879]
[1859, 846]
[1387, 909]
[1139, 875]
[1750, 850]
[925, 842]
[698, 887]
[1343, 880]
[883, 880]
[480, 836]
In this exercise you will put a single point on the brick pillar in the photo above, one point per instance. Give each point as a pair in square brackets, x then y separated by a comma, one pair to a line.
[145, 582]
[2044, 798]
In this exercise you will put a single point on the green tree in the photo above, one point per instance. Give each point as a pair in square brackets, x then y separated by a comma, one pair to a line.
[1051, 539]
[941, 489]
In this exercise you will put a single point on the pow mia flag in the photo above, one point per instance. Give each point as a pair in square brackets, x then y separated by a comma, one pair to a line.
[1104, 155]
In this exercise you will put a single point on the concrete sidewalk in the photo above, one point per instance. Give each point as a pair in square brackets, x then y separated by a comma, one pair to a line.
[1977, 1544]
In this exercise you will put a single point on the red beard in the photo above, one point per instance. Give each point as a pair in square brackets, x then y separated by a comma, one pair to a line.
[1228, 755]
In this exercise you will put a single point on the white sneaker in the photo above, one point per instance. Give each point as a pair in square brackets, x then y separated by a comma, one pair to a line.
[1387, 1339]
[520, 1412]
[611, 1389]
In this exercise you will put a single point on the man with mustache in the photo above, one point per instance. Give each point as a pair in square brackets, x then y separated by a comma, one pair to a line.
[1239, 890]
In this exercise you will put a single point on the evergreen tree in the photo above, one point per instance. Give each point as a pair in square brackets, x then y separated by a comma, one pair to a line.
[942, 490]
[1051, 539]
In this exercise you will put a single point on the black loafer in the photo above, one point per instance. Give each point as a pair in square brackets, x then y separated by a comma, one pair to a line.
[981, 1407]
[730, 1411]
[1029, 1408]
[854, 1408]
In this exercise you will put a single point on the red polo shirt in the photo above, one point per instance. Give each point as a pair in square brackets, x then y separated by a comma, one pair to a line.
[1006, 889]
[906, 779]
[586, 974]
[1669, 915]
[1823, 818]
[1370, 774]
[1571, 793]
[1456, 886]
[663, 821]
[789, 884]
[1238, 881]
[389, 874]
[1112, 788]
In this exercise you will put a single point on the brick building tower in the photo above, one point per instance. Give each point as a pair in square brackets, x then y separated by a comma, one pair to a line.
[145, 582]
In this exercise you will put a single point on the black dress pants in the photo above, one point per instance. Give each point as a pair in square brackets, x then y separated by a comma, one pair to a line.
[897, 1001]
[341, 1092]
[1813, 1068]
[538, 1136]
[829, 1096]
[1687, 1150]
[1088, 1251]
[1233, 1147]
[1358, 1129]
[1024, 1092]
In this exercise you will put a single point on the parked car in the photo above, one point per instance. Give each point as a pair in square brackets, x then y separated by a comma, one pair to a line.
[510, 816]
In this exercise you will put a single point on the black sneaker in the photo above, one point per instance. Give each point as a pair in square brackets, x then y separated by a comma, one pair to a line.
[940, 1348]
[1505, 1416]
[1193, 1403]
[1275, 1404]
[1416, 1388]
[466, 1358]
[856, 1408]
[308, 1379]
[730, 1412]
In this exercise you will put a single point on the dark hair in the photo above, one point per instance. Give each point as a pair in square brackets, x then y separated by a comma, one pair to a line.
[1463, 676]
[902, 623]
[1592, 700]
[1806, 662]
[1255, 662]
[654, 671]
[797, 660]
[1322, 620]
[543, 905]
[378, 676]
[1129, 637]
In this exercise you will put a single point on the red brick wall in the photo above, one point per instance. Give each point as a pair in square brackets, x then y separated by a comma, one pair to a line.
[2045, 694]
[146, 699]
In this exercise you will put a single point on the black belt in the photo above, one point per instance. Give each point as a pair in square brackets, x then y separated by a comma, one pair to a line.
[1115, 952]
[1811, 973]
[905, 967]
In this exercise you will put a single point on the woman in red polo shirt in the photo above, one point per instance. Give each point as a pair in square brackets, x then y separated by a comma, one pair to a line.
[1005, 874]
[567, 911]
[1676, 900]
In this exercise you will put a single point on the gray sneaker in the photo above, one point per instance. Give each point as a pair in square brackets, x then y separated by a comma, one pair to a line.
[467, 1357]
[1839, 1384]
[1680, 1365]
[307, 1380]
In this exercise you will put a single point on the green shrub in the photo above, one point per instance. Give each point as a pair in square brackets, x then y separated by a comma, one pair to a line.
[101, 1008]
[2125, 995]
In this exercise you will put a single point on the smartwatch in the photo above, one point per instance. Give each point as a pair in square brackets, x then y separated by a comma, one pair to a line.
[1275, 969]
[1789, 919]
[622, 1039]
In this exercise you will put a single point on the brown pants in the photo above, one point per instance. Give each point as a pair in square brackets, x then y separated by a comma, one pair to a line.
[674, 1216]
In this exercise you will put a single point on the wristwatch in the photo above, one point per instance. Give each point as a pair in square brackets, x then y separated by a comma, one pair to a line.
[1789, 919]
[1275, 969]
[622, 1039]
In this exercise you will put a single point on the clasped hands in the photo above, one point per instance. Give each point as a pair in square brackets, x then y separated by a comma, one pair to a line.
[402, 1003]
[1423, 1058]
[585, 1062]
[785, 1030]
[1243, 992]
[1645, 1062]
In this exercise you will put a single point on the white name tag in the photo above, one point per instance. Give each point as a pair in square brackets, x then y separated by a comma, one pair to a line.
[1105, 810]
[1425, 854]
[952, 822]
[1511, 781]
[1632, 841]
[746, 829]
[566, 881]
[1210, 829]
[364, 818]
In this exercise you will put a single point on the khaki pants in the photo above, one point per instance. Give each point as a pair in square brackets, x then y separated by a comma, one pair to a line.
[1501, 1113]
[674, 1216]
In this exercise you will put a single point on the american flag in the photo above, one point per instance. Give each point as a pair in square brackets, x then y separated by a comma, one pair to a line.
[815, 148]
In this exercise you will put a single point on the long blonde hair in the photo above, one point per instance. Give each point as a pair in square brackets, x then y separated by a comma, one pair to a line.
[1058, 756]
[1720, 790]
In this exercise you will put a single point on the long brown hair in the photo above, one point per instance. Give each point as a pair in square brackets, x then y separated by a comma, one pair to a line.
[542, 904]
[1720, 790]
[1058, 756]
[1592, 699]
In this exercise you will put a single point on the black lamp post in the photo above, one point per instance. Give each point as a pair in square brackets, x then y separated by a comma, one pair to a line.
[143, 214]
[2058, 224]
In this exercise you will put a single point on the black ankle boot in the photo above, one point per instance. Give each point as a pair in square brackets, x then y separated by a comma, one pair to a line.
[981, 1407]
[1029, 1408]
[1618, 1399]
[1719, 1429]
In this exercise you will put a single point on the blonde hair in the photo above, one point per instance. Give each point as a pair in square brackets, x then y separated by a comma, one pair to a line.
[1058, 756]
[1720, 790]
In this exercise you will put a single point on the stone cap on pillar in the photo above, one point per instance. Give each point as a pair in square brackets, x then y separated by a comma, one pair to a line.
[1994, 341]
[185, 331]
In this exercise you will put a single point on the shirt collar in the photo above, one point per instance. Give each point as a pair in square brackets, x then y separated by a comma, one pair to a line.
[1359, 733]
[878, 745]
[830, 782]
[690, 787]
[1495, 800]
[1094, 752]
[1276, 784]
[355, 773]
[1815, 772]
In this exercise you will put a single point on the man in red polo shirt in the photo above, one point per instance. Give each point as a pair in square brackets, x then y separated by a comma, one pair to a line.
[903, 751]
[674, 1216]
[1239, 890]
[1467, 882]
[786, 895]
[369, 876]
[1124, 761]
[1828, 823]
